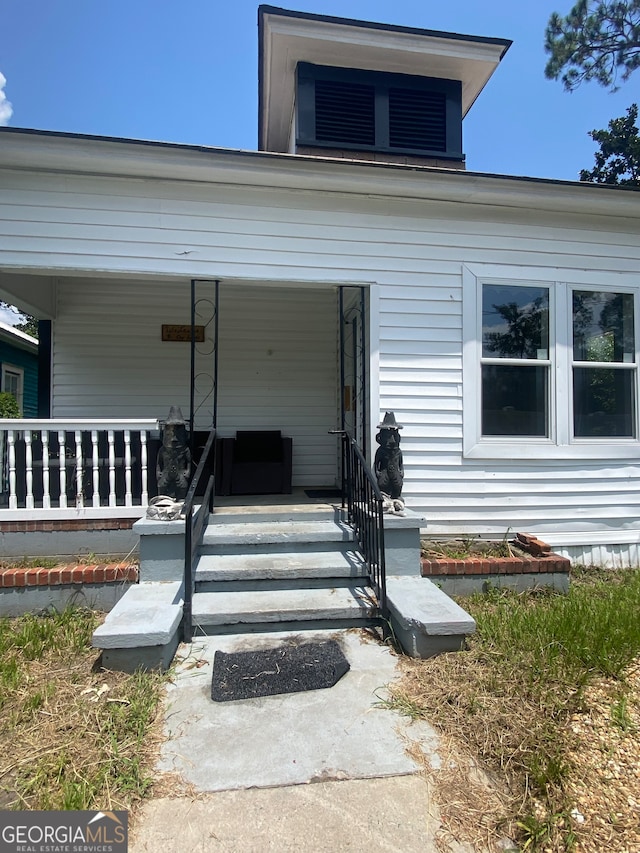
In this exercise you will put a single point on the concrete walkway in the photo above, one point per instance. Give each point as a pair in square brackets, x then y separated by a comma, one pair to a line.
[249, 763]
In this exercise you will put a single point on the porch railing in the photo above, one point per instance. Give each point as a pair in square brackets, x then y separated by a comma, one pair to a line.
[56, 467]
[196, 521]
[364, 503]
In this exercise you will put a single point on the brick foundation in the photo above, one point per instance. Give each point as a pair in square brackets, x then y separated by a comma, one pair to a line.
[75, 524]
[69, 574]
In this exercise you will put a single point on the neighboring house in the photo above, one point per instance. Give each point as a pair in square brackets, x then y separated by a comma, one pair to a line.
[19, 368]
[361, 269]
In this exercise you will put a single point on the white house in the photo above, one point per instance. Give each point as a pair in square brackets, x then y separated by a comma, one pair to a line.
[496, 316]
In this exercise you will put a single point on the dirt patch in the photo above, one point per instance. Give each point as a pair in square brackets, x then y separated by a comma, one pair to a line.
[462, 549]
[605, 780]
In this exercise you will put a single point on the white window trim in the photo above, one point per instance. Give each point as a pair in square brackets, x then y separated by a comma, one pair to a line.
[560, 444]
[12, 368]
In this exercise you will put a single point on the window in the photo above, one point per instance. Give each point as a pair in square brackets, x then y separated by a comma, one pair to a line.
[515, 360]
[13, 382]
[378, 111]
[604, 364]
[550, 367]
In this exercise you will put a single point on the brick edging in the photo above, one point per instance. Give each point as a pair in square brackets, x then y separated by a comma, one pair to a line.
[66, 525]
[541, 559]
[71, 574]
[495, 566]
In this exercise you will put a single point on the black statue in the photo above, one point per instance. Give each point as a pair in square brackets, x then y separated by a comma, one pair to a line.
[173, 465]
[387, 464]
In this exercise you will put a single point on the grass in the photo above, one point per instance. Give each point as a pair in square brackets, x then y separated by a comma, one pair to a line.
[30, 563]
[511, 695]
[72, 736]
[57, 562]
[468, 546]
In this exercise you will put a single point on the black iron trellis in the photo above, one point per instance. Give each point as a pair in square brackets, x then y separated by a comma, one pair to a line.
[196, 518]
[214, 352]
[353, 317]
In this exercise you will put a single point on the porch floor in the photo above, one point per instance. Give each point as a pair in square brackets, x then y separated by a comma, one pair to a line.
[297, 500]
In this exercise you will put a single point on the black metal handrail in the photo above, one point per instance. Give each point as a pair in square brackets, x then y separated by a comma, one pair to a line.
[364, 503]
[195, 525]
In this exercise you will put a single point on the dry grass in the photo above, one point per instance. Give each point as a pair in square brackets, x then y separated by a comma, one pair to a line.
[462, 549]
[540, 719]
[72, 736]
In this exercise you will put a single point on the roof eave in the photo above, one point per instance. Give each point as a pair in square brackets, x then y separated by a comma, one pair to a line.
[17, 338]
[47, 151]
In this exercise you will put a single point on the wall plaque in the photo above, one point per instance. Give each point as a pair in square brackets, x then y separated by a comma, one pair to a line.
[182, 333]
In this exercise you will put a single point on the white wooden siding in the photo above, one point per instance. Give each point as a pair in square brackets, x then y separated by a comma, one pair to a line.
[279, 368]
[277, 361]
[414, 250]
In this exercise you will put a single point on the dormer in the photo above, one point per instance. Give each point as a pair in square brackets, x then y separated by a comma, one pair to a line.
[343, 88]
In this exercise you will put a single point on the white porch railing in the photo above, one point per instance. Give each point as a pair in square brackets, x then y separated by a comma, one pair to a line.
[79, 468]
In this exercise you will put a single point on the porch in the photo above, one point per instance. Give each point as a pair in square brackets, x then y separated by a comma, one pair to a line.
[266, 355]
[295, 561]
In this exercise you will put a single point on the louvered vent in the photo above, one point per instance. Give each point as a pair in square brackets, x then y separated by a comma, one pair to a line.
[417, 120]
[345, 113]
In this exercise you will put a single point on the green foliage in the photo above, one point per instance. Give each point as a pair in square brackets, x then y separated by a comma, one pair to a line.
[597, 40]
[9, 406]
[28, 324]
[618, 160]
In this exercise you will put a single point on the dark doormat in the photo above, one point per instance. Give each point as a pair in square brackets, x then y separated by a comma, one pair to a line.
[284, 669]
[321, 494]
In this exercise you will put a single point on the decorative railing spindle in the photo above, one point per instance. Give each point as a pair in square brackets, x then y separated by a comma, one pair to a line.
[28, 458]
[144, 494]
[46, 493]
[95, 460]
[79, 468]
[112, 468]
[128, 498]
[62, 458]
[54, 467]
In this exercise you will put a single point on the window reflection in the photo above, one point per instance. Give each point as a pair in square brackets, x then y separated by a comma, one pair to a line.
[603, 326]
[515, 322]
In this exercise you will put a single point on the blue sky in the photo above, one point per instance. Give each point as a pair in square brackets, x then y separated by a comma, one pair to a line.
[187, 72]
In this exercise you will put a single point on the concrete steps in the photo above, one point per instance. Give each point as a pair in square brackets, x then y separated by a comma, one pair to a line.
[280, 569]
[228, 538]
[271, 608]
[279, 566]
[269, 569]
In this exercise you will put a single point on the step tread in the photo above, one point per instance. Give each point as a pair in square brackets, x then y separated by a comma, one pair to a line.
[277, 565]
[272, 532]
[223, 608]
[264, 514]
[148, 614]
